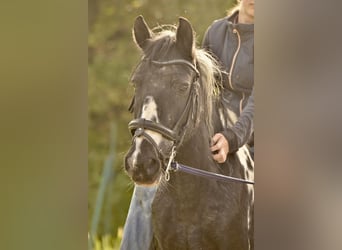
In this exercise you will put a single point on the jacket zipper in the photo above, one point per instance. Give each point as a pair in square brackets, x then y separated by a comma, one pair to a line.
[234, 58]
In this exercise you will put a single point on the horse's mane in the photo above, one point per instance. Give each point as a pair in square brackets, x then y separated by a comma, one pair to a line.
[162, 41]
[208, 68]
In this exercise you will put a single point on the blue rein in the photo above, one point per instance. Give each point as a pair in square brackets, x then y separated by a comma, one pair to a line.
[183, 168]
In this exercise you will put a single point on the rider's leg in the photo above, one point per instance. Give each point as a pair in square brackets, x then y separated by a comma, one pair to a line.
[138, 233]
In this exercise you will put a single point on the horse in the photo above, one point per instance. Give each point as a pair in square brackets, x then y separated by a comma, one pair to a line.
[176, 110]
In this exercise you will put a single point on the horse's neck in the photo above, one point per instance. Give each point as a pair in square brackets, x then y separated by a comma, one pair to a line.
[186, 192]
[195, 151]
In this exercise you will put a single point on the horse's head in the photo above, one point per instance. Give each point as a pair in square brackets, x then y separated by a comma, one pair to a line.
[166, 101]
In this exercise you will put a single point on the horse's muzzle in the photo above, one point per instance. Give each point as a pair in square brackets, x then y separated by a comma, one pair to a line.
[142, 164]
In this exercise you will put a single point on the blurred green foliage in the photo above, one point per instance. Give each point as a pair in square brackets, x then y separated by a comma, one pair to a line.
[112, 55]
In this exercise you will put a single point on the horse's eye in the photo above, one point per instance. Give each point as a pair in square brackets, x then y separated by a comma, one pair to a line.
[181, 86]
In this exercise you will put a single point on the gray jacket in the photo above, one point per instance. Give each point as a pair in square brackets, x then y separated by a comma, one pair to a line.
[232, 44]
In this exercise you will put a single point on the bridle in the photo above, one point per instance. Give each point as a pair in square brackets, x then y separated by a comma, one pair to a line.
[177, 134]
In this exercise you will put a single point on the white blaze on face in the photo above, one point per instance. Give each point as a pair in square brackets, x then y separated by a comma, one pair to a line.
[149, 112]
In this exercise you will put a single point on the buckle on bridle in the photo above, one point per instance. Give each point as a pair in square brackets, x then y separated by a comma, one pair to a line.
[168, 168]
[139, 132]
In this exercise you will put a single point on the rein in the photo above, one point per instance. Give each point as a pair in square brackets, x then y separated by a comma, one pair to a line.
[175, 166]
[138, 126]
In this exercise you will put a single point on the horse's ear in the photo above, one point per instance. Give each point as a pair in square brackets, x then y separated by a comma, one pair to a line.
[141, 32]
[185, 37]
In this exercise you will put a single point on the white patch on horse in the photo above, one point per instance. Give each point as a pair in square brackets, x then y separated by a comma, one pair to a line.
[248, 175]
[148, 112]
[233, 117]
[149, 109]
[223, 120]
[136, 152]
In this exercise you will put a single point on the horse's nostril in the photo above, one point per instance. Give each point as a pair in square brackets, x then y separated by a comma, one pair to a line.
[152, 161]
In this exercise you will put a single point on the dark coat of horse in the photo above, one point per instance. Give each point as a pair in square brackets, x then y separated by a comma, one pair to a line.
[188, 212]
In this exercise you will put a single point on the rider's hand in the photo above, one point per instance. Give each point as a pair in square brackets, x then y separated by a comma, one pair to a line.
[219, 148]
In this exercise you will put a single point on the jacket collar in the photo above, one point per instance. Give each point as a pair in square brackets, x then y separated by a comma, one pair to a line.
[241, 27]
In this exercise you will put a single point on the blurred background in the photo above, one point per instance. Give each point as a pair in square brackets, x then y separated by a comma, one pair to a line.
[45, 111]
[112, 56]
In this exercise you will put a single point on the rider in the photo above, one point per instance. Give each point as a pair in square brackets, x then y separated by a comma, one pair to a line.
[231, 41]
